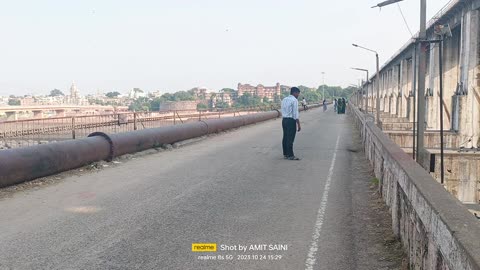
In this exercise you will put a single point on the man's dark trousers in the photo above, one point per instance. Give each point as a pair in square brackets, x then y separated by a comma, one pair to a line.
[289, 126]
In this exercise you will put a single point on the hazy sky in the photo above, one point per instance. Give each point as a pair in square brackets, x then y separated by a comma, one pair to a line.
[172, 45]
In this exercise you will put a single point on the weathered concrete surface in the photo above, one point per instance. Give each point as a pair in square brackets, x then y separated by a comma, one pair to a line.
[437, 231]
[432, 138]
[461, 172]
[397, 126]
[395, 120]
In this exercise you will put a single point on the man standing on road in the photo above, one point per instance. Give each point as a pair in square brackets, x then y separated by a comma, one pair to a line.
[290, 123]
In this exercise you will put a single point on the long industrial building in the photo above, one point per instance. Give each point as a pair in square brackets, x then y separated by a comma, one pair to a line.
[457, 26]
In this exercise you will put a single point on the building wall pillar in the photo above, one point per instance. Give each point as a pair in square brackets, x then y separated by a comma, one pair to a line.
[11, 116]
[38, 114]
[60, 113]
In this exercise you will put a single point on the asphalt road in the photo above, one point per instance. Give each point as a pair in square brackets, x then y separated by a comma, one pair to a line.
[234, 189]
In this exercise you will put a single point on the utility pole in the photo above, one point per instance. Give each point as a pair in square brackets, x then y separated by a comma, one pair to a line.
[364, 100]
[323, 84]
[378, 91]
[440, 75]
[422, 63]
[377, 120]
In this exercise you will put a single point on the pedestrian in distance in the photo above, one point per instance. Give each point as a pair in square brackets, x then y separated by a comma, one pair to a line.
[290, 123]
[341, 106]
[304, 104]
[324, 105]
[335, 105]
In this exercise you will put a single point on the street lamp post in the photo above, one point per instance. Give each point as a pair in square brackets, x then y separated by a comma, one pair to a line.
[366, 98]
[377, 103]
[356, 94]
[323, 84]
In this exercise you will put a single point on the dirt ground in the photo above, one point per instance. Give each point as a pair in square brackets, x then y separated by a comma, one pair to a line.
[374, 222]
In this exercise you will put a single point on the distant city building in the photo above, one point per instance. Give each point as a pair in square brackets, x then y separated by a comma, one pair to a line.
[155, 94]
[201, 92]
[74, 92]
[27, 101]
[3, 101]
[285, 88]
[262, 91]
[222, 97]
[74, 97]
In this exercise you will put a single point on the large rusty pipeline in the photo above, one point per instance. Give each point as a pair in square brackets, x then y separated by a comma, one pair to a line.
[25, 164]
[135, 141]
[139, 140]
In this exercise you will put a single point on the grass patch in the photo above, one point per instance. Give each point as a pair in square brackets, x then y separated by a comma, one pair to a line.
[375, 181]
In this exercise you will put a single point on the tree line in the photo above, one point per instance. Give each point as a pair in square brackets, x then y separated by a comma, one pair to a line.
[312, 95]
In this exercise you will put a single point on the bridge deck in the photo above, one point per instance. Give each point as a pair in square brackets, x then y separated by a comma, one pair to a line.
[231, 189]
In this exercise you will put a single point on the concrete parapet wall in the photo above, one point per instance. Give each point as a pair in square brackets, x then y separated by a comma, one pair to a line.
[436, 230]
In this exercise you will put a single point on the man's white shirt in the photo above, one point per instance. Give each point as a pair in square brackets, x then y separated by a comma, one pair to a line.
[290, 107]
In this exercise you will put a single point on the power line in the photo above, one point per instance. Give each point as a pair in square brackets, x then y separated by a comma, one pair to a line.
[404, 20]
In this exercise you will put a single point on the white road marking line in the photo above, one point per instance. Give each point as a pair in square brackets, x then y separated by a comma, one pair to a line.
[311, 257]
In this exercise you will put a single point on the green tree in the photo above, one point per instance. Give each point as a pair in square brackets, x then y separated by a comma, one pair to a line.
[330, 91]
[201, 106]
[183, 96]
[112, 94]
[13, 102]
[228, 90]
[285, 93]
[222, 105]
[312, 96]
[178, 96]
[155, 104]
[141, 104]
[347, 92]
[277, 99]
[248, 100]
[56, 93]
[167, 97]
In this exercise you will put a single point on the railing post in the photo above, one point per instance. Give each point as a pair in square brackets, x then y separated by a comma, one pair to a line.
[134, 121]
[73, 127]
[174, 117]
[199, 115]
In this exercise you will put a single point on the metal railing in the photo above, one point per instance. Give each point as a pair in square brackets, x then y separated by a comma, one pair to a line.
[21, 133]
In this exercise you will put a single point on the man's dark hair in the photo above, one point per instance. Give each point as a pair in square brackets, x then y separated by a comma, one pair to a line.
[294, 90]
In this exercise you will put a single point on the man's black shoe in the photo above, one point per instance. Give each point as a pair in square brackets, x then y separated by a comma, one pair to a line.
[293, 158]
